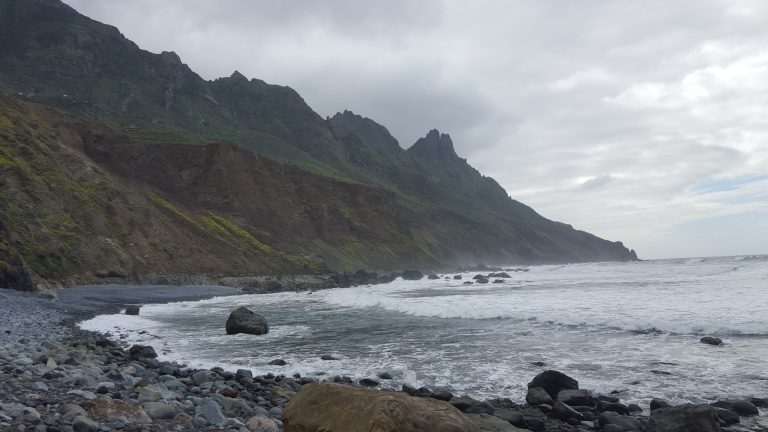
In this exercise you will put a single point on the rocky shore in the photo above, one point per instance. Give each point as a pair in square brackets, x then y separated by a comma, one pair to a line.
[54, 377]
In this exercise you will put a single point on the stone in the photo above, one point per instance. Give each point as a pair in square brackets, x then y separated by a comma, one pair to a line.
[684, 418]
[204, 376]
[538, 396]
[243, 320]
[726, 416]
[159, 410]
[384, 375]
[616, 407]
[210, 411]
[482, 280]
[132, 309]
[337, 408]
[84, 424]
[83, 394]
[243, 374]
[516, 418]
[657, 403]
[262, 424]
[491, 423]
[709, 340]
[564, 412]
[553, 382]
[107, 409]
[744, 408]
[468, 405]
[367, 382]
[575, 397]
[457, 277]
[412, 275]
[142, 351]
[233, 407]
[433, 276]
[627, 423]
[278, 362]
[30, 415]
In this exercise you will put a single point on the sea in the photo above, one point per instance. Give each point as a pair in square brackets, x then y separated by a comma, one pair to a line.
[629, 329]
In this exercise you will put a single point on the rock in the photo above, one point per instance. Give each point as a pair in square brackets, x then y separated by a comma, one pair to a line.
[159, 410]
[210, 411]
[442, 394]
[457, 277]
[132, 309]
[564, 412]
[574, 397]
[468, 283]
[412, 275]
[612, 428]
[709, 340]
[491, 423]
[107, 409]
[726, 417]
[243, 320]
[516, 418]
[657, 403]
[482, 280]
[262, 424]
[327, 357]
[384, 375]
[337, 408]
[30, 415]
[142, 351]
[538, 396]
[278, 362]
[500, 275]
[83, 394]
[684, 418]
[367, 382]
[553, 382]
[498, 281]
[617, 407]
[204, 376]
[744, 408]
[627, 423]
[468, 405]
[84, 424]
[759, 402]
[433, 276]
[235, 407]
[242, 374]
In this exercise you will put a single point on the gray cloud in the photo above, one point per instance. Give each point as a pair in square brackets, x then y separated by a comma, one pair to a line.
[605, 115]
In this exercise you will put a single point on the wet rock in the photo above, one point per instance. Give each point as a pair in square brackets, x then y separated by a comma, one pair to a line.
[574, 397]
[412, 275]
[243, 320]
[514, 417]
[202, 377]
[278, 362]
[657, 403]
[132, 309]
[337, 408]
[468, 405]
[491, 423]
[564, 412]
[741, 407]
[502, 275]
[210, 411]
[443, 395]
[684, 418]
[457, 277]
[384, 375]
[538, 396]
[616, 407]
[627, 423]
[726, 417]
[142, 352]
[84, 424]
[482, 280]
[243, 374]
[327, 357]
[709, 340]
[433, 276]
[553, 382]
[367, 382]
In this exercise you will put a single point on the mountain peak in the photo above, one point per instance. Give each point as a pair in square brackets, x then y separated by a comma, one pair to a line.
[434, 146]
[238, 76]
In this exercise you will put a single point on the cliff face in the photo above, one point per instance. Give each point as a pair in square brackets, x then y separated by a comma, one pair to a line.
[143, 167]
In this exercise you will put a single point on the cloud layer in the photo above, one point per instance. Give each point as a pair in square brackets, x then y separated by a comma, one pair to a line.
[645, 122]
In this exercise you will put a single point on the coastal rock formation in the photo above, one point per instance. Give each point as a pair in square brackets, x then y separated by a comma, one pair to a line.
[338, 408]
[243, 320]
[711, 340]
[553, 382]
[684, 418]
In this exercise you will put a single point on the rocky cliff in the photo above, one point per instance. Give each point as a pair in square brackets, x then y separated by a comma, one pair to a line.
[120, 164]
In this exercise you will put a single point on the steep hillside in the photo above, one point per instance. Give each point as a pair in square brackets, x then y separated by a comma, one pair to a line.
[154, 169]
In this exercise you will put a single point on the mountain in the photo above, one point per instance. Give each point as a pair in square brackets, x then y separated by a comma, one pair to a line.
[120, 163]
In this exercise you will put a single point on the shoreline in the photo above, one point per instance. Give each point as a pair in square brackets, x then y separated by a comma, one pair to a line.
[40, 338]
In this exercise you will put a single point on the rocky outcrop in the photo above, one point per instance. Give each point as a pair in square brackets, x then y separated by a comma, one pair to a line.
[684, 418]
[553, 382]
[338, 408]
[243, 320]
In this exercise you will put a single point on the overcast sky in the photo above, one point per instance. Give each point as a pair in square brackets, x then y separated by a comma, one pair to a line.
[639, 121]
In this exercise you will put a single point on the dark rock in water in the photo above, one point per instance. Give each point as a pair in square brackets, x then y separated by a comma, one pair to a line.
[709, 340]
[384, 375]
[499, 275]
[575, 397]
[635, 408]
[243, 320]
[468, 405]
[616, 407]
[278, 362]
[538, 396]
[564, 412]
[457, 277]
[242, 374]
[744, 408]
[553, 382]
[433, 276]
[726, 417]
[417, 392]
[132, 309]
[499, 281]
[657, 403]
[412, 275]
[684, 418]
[468, 283]
[142, 351]
[482, 281]
[759, 402]
[327, 357]
[443, 395]
[367, 382]
[625, 422]
[479, 276]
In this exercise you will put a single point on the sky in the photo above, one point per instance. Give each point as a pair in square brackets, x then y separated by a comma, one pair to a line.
[644, 122]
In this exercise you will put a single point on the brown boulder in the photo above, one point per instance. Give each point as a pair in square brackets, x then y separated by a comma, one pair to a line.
[331, 407]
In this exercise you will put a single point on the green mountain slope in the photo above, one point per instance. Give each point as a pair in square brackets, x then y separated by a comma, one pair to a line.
[167, 149]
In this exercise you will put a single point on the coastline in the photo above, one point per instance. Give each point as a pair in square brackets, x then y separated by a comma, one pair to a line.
[39, 339]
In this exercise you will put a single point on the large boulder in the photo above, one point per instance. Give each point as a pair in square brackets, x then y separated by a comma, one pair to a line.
[243, 320]
[553, 382]
[684, 418]
[412, 275]
[337, 408]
